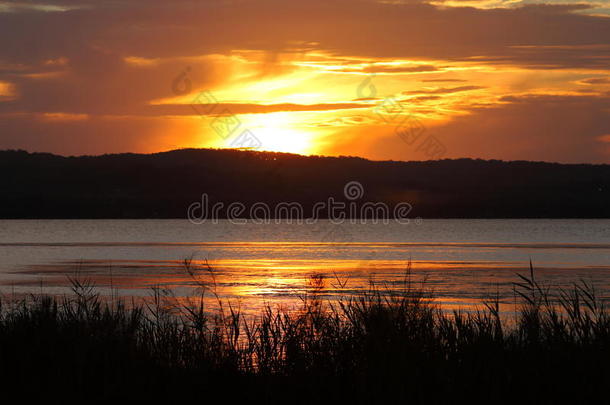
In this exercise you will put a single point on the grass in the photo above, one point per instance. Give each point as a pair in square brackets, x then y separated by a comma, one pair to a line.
[373, 348]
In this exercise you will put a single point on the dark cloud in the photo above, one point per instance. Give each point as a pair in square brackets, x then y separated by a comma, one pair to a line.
[423, 98]
[235, 108]
[597, 80]
[157, 28]
[443, 80]
[533, 127]
[73, 59]
[444, 90]
[568, 129]
[390, 69]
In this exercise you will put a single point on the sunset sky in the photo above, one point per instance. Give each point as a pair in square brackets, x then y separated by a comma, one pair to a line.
[491, 79]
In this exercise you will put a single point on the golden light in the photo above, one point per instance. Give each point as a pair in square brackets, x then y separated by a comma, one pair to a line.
[280, 132]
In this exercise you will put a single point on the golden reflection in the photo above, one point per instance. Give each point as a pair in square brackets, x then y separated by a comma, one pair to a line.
[252, 284]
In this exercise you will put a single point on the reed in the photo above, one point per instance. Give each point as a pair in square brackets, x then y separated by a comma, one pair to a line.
[371, 348]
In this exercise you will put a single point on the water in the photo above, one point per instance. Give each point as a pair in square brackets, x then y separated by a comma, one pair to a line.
[463, 261]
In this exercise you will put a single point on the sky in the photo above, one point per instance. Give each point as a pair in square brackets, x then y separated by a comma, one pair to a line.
[384, 80]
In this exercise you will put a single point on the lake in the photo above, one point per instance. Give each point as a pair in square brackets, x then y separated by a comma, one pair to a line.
[462, 261]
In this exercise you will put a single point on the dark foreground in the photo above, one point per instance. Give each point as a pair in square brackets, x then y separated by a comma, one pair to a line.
[164, 185]
[371, 349]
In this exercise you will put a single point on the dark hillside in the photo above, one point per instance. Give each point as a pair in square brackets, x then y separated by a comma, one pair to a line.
[163, 185]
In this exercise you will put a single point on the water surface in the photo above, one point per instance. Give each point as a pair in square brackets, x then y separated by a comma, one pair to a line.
[463, 261]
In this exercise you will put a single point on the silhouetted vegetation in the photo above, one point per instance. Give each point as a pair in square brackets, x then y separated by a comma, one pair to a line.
[373, 348]
[163, 185]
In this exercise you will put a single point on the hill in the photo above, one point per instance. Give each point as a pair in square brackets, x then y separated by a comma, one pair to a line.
[164, 185]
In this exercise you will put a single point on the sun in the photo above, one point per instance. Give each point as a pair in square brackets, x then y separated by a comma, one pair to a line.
[278, 132]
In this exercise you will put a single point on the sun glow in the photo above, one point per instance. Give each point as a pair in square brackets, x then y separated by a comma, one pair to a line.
[278, 132]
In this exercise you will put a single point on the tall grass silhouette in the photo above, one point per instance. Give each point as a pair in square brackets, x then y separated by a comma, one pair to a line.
[375, 347]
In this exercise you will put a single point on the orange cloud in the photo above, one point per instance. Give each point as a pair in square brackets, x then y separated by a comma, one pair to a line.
[120, 78]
